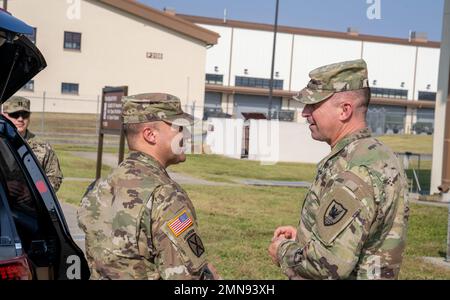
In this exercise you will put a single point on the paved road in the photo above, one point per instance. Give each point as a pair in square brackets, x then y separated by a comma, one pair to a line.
[258, 182]
[110, 159]
[70, 212]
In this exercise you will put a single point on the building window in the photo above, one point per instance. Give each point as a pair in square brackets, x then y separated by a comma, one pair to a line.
[32, 37]
[214, 79]
[388, 93]
[69, 88]
[258, 82]
[29, 86]
[427, 96]
[286, 115]
[424, 122]
[385, 119]
[72, 40]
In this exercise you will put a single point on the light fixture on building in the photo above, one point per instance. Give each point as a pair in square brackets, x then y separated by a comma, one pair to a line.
[428, 86]
[374, 82]
[216, 69]
[402, 84]
[246, 71]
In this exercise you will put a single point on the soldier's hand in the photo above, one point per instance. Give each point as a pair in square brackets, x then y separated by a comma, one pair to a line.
[209, 272]
[18, 190]
[15, 188]
[214, 272]
[273, 247]
[288, 232]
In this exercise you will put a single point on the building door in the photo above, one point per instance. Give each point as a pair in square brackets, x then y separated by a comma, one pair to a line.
[245, 140]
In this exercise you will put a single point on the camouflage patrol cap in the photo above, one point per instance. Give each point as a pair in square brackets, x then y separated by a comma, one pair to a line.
[152, 107]
[15, 104]
[334, 78]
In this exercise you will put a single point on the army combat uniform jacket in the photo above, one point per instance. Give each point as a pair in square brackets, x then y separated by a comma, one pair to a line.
[354, 218]
[47, 158]
[140, 224]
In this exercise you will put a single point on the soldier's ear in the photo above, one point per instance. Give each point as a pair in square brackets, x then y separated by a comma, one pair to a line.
[346, 111]
[150, 135]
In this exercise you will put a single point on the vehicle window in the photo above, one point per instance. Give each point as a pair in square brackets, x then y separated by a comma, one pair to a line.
[9, 244]
[32, 222]
[6, 237]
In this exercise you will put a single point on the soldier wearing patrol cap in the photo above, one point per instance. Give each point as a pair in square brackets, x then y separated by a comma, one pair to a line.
[17, 110]
[354, 218]
[139, 223]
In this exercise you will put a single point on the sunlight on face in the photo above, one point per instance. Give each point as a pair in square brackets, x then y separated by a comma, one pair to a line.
[322, 118]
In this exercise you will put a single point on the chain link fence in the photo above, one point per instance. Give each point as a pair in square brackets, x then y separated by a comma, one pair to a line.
[75, 121]
[75, 118]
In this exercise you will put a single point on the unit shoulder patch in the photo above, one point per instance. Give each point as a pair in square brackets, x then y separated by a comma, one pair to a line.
[334, 213]
[196, 244]
[181, 230]
[339, 206]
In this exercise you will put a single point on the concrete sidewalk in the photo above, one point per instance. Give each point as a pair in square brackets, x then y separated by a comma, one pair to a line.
[70, 213]
[111, 160]
[275, 183]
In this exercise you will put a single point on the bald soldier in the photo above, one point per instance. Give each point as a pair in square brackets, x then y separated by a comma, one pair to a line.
[354, 218]
[139, 223]
[17, 110]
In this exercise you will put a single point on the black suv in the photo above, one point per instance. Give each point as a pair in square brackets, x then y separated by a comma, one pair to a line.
[35, 242]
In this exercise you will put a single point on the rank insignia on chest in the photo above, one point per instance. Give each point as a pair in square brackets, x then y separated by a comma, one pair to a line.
[180, 223]
[334, 213]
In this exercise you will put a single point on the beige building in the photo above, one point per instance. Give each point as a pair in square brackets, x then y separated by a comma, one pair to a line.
[90, 44]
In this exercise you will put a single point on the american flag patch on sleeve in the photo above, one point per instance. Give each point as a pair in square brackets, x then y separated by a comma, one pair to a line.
[180, 223]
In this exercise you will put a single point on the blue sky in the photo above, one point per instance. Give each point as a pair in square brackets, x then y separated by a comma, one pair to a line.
[398, 17]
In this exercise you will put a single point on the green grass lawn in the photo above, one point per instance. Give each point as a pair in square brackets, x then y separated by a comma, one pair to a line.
[87, 124]
[412, 143]
[64, 122]
[71, 191]
[219, 168]
[237, 223]
[84, 148]
[427, 236]
[223, 169]
[73, 166]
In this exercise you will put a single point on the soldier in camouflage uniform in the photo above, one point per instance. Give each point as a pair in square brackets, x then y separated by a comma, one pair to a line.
[17, 110]
[354, 218]
[139, 223]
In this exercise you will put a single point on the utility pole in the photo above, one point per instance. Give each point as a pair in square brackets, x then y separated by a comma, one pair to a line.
[275, 29]
[440, 142]
[5, 4]
[440, 169]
